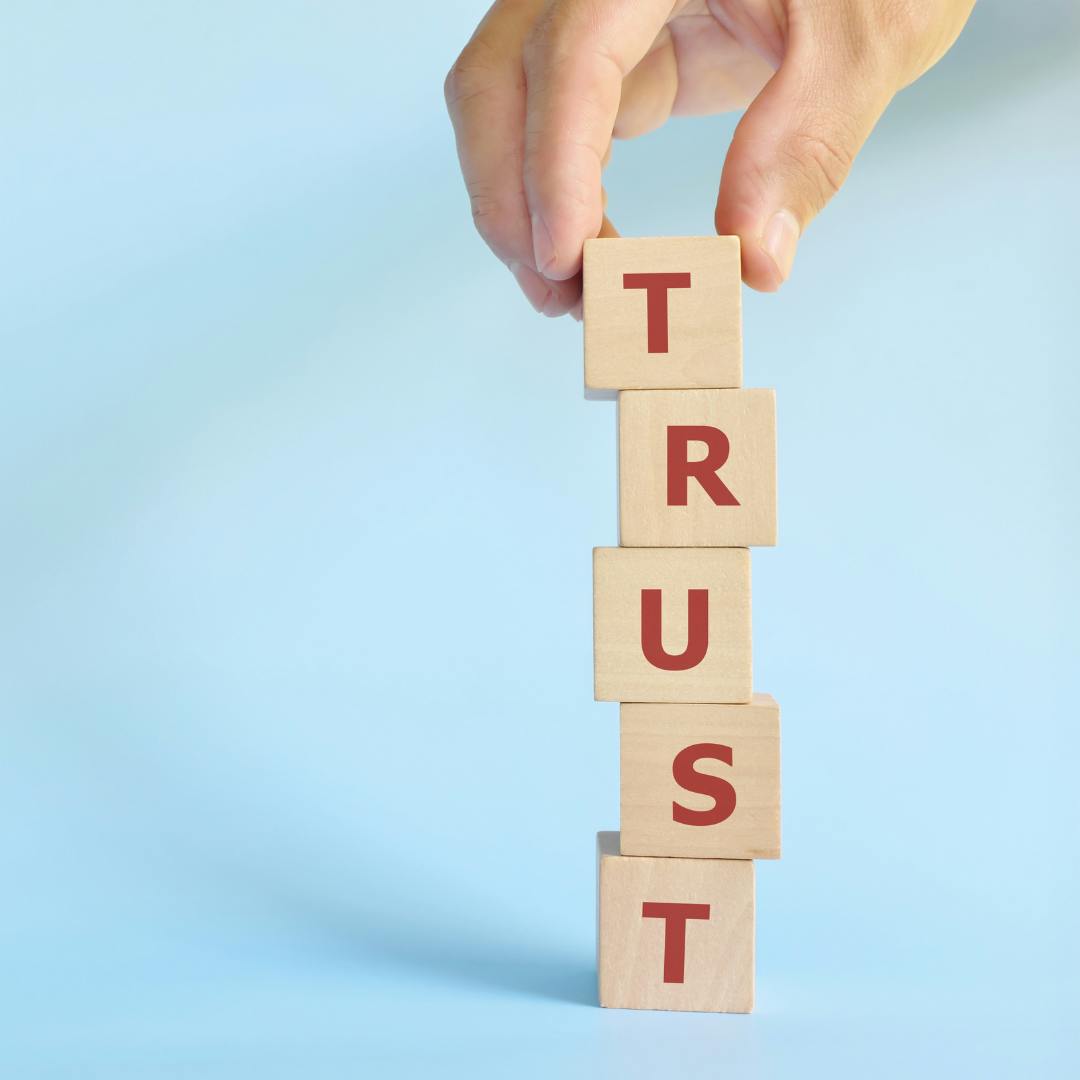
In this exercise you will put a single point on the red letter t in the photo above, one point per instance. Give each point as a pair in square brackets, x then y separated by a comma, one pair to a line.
[656, 309]
[675, 917]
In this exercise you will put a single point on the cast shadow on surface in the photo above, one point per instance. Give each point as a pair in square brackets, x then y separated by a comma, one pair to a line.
[494, 963]
[452, 944]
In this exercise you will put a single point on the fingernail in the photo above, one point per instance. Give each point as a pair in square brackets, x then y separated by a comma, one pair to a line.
[543, 246]
[780, 239]
[554, 306]
[536, 290]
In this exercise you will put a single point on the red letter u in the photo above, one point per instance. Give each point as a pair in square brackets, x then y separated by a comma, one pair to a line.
[697, 633]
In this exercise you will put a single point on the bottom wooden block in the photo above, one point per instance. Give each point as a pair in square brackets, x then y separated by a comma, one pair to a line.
[674, 933]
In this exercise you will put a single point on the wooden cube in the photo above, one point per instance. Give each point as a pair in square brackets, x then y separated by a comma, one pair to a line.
[701, 781]
[672, 624]
[674, 933]
[697, 468]
[662, 312]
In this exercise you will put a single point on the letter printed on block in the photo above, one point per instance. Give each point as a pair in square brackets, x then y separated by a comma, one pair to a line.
[674, 933]
[662, 312]
[672, 624]
[697, 468]
[700, 781]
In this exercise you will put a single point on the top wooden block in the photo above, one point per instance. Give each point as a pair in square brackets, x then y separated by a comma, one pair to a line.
[663, 313]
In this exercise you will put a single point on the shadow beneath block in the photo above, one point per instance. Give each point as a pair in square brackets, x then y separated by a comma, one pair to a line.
[480, 959]
[506, 968]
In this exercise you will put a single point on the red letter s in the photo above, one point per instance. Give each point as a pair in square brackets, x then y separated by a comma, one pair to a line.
[717, 788]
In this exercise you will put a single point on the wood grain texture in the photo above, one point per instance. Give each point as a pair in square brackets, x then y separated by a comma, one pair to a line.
[653, 737]
[704, 320]
[622, 671]
[741, 428]
[718, 962]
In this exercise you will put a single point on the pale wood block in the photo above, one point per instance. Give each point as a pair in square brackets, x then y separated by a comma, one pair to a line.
[674, 933]
[672, 624]
[701, 781]
[662, 312]
[697, 468]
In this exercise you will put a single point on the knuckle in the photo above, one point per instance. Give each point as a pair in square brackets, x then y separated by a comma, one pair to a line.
[883, 38]
[472, 74]
[905, 23]
[873, 39]
[918, 32]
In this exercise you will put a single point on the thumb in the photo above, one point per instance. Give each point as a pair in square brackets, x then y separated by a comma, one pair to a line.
[793, 149]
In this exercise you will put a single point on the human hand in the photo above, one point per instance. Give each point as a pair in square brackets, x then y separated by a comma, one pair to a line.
[544, 85]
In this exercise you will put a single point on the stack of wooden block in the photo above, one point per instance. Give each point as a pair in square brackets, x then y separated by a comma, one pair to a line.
[700, 775]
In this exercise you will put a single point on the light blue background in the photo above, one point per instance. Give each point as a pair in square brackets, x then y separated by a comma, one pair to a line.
[300, 768]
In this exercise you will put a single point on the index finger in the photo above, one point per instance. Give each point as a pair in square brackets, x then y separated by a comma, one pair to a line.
[485, 96]
[575, 62]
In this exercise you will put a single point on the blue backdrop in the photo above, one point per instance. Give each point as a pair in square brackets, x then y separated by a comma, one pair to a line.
[300, 768]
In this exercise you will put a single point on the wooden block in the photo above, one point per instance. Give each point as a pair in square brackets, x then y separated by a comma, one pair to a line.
[674, 933]
[697, 468]
[701, 781]
[672, 624]
[662, 312]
